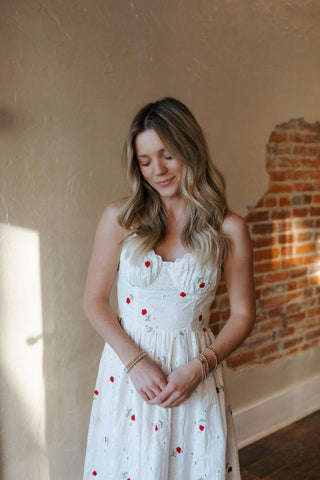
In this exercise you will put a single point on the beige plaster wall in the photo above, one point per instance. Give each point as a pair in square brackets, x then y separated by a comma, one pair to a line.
[72, 75]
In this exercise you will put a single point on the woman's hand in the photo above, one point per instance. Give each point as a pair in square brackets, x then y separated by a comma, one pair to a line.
[182, 382]
[148, 379]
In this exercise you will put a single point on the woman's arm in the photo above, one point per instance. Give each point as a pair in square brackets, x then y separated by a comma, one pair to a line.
[238, 272]
[146, 376]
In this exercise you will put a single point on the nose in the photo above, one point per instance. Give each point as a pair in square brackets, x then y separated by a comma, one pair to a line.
[160, 167]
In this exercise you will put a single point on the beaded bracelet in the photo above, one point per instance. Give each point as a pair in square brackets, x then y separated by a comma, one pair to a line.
[206, 363]
[204, 375]
[215, 357]
[134, 362]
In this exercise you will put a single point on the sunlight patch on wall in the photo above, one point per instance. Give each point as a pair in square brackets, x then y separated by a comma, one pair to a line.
[21, 346]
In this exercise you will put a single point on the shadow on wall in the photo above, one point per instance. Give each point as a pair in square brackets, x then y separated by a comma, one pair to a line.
[285, 229]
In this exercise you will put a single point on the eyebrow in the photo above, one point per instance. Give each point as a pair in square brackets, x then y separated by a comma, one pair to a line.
[159, 151]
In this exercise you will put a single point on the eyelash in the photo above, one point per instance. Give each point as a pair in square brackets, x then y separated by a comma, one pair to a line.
[148, 163]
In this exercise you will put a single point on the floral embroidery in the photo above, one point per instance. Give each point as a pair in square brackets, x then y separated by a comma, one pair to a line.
[133, 417]
[200, 318]
[174, 452]
[147, 263]
[129, 299]
[94, 473]
[96, 392]
[222, 388]
[202, 424]
[182, 294]
[111, 379]
[144, 311]
[228, 467]
[202, 285]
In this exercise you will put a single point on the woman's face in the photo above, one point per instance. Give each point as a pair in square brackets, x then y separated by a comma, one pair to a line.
[158, 167]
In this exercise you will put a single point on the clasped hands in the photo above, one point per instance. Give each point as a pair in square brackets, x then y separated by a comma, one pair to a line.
[166, 392]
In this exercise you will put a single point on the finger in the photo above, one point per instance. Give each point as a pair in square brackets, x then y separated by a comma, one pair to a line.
[144, 396]
[151, 395]
[162, 397]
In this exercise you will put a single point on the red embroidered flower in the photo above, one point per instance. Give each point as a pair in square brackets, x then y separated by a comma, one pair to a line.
[156, 428]
[144, 311]
[230, 469]
[128, 300]
[201, 427]
[200, 318]
[179, 449]
[94, 473]
[202, 285]
[133, 417]
[217, 389]
[204, 329]
[111, 379]
[147, 263]
[182, 294]
[96, 392]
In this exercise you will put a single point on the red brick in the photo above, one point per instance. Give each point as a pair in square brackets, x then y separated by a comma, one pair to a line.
[299, 174]
[284, 226]
[262, 229]
[278, 176]
[257, 216]
[215, 316]
[313, 334]
[292, 342]
[268, 325]
[299, 150]
[267, 267]
[284, 201]
[277, 137]
[304, 236]
[272, 358]
[305, 248]
[287, 162]
[304, 187]
[303, 138]
[314, 174]
[241, 359]
[303, 224]
[292, 262]
[267, 349]
[311, 162]
[280, 188]
[266, 291]
[277, 277]
[295, 318]
[280, 215]
[270, 202]
[222, 288]
[263, 242]
[316, 198]
[304, 282]
[266, 254]
[286, 238]
[311, 259]
[313, 151]
[312, 312]
[286, 332]
[298, 272]
[292, 286]
[315, 280]
[315, 211]
[286, 251]
[311, 344]
[260, 203]
[300, 212]
[226, 314]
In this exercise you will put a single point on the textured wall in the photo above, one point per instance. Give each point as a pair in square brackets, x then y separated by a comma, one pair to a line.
[285, 229]
[72, 75]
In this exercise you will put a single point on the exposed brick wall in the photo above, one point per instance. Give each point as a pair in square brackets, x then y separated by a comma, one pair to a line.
[285, 229]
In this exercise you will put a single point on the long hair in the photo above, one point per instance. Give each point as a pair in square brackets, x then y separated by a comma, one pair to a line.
[202, 185]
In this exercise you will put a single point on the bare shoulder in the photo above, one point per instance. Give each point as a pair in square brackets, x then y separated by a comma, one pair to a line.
[236, 228]
[109, 219]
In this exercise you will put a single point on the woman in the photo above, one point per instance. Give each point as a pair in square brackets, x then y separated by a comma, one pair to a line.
[160, 409]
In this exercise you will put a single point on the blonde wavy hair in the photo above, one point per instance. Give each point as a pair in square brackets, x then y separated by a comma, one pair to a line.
[202, 185]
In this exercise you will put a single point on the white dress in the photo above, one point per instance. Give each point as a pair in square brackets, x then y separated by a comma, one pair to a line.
[164, 308]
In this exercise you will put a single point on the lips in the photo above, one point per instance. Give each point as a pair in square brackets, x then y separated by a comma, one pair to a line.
[164, 183]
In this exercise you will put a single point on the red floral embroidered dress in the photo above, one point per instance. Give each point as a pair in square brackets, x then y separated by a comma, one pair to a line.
[164, 307]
